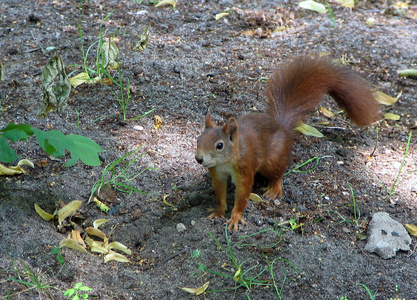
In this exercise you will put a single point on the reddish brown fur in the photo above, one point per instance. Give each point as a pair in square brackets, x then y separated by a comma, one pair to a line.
[261, 143]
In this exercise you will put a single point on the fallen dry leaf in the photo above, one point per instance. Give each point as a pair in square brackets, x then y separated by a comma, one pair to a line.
[68, 210]
[44, 215]
[197, 291]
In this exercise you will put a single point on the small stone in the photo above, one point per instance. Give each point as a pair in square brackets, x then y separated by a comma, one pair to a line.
[259, 222]
[138, 127]
[181, 227]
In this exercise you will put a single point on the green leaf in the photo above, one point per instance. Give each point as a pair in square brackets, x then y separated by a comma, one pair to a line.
[69, 292]
[15, 135]
[85, 149]
[85, 288]
[7, 154]
[23, 127]
[55, 142]
[78, 285]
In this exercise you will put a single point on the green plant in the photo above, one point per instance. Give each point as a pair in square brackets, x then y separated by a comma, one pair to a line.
[54, 142]
[397, 178]
[77, 292]
[371, 296]
[124, 91]
[27, 277]
[356, 211]
[100, 53]
[330, 10]
[278, 229]
[243, 277]
[315, 159]
[57, 251]
[118, 177]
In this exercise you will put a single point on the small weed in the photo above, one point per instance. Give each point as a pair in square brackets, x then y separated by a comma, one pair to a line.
[243, 277]
[317, 161]
[57, 251]
[371, 296]
[397, 178]
[356, 211]
[278, 229]
[330, 10]
[28, 278]
[123, 97]
[77, 292]
[120, 179]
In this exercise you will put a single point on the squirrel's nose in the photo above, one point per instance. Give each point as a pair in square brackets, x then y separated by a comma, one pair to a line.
[199, 160]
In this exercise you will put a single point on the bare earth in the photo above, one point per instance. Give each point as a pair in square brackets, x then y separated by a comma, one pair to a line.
[194, 64]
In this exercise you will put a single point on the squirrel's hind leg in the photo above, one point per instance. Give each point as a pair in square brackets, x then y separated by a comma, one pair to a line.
[274, 189]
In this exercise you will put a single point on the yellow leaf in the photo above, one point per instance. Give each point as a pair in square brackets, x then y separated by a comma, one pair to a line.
[238, 274]
[70, 243]
[255, 198]
[328, 113]
[97, 223]
[76, 236]
[79, 79]
[164, 201]
[15, 170]
[119, 246]
[110, 54]
[412, 229]
[95, 244]
[101, 205]
[68, 210]
[248, 32]
[385, 99]
[197, 291]
[308, 130]
[166, 2]
[115, 256]
[347, 3]
[96, 232]
[158, 121]
[26, 162]
[313, 5]
[44, 215]
[142, 40]
[221, 15]
[390, 116]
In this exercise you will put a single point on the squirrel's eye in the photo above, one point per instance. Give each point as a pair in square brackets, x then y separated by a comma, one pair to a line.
[219, 146]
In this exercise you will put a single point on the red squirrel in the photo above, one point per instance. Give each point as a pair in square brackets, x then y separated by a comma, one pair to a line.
[262, 142]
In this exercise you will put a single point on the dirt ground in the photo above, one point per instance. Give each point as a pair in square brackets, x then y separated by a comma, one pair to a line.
[194, 64]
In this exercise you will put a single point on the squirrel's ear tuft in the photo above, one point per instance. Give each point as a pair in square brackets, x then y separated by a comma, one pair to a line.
[209, 123]
[231, 128]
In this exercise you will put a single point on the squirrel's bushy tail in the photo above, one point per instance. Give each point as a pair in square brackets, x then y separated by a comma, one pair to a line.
[297, 88]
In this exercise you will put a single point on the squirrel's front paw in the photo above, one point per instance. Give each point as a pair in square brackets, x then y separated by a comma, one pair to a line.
[234, 221]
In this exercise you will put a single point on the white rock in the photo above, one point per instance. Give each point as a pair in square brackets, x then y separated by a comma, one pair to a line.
[181, 227]
[386, 236]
